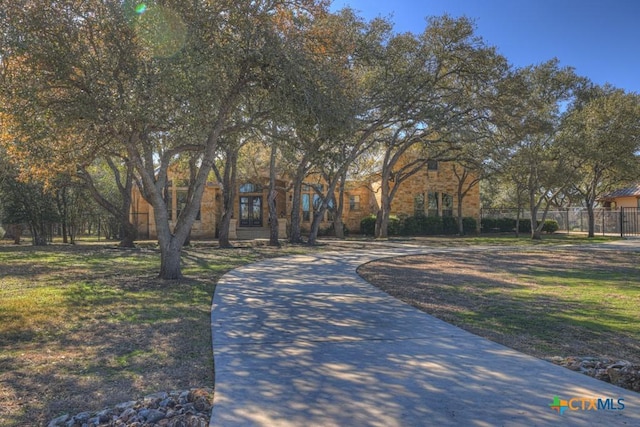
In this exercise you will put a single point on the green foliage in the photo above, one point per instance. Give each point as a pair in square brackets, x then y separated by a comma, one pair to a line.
[498, 225]
[330, 230]
[395, 226]
[550, 226]
[368, 225]
[469, 225]
[419, 225]
[505, 225]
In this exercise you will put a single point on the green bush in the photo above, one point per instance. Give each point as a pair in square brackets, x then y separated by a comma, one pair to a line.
[550, 226]
[498, 225]
[421, 225]
[449, 225]
[368, 225]
[525, 226]
[394, 228]
[506, 225]
[469, 225]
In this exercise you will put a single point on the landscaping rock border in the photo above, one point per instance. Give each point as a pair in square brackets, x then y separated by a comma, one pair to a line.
[184, 408]
[617, 372]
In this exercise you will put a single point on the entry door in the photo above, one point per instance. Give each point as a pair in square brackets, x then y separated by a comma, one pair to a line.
[251, 211]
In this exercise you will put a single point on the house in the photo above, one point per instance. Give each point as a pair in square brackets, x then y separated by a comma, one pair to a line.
[431, 191]
[628, 197]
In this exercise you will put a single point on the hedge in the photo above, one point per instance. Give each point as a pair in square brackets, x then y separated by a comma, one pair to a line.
[419, 225]
[503, 225]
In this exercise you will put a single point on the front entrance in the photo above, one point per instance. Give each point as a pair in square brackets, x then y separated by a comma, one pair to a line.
[250, 211]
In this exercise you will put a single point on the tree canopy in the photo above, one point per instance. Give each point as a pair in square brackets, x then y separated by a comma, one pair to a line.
[134, 89]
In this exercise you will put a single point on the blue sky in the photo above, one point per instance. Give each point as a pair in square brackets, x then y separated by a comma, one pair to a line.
[599, 38]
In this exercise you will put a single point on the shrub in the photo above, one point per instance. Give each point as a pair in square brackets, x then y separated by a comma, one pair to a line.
[368, 225]
[394, 228]
[550, 226]
[498, 225]
[449, 225]
[506, 225]
[525, 225]
[418, 225]
[469, 225]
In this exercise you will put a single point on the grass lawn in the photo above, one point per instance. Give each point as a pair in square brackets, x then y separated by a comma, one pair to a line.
[88, 326]
[551, 302]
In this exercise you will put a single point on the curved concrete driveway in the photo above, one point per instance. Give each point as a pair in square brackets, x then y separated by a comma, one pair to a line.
[304, 341]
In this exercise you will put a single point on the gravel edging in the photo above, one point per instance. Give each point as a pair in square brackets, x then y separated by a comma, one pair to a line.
[182, 408]
[621, 373]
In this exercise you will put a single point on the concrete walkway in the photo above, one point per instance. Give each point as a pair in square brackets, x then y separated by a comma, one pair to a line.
[304, 341]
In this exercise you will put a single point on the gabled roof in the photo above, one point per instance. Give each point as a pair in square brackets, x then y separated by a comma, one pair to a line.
[631, 191]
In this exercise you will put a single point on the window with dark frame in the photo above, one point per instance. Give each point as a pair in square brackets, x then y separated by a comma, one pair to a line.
[354, 203]
[306, 207]
[432, 203]
[418, 204]
[447, 204]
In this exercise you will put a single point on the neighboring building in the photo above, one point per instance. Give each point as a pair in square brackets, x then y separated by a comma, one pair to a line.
[432, 192]
[628, 197]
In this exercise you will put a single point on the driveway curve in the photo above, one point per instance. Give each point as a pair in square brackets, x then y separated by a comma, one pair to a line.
[304, 341]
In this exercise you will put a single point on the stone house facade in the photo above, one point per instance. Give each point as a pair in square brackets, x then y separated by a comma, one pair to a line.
[432, 191]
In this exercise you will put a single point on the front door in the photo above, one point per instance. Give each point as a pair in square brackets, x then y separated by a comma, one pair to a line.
[251, 211]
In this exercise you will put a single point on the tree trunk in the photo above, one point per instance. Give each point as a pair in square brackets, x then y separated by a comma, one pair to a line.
[382, 218]
[315, 225]
[16, 232]
[129, 235]
[273, 214]
[170, 268]
[592, 220]
[228, 196]
[460, 219]
[382, 221]
[296, 234]
[338, 224]
[121, 212]
[535, 233]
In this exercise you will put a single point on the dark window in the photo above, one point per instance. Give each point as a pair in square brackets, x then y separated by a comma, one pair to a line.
[354, 203]
[447, 205]
[250, 188]
[432, 200]
[432, 165]
[331, 209]
[317, 202]
[418, 204]
[306, 208]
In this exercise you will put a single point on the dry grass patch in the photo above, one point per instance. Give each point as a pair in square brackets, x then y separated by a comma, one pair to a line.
[556, 302]
[85, 327]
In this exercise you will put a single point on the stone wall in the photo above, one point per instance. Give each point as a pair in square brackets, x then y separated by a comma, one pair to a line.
[360, 200]
[440, 181]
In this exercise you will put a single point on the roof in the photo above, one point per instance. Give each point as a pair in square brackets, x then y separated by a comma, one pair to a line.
[631, 191]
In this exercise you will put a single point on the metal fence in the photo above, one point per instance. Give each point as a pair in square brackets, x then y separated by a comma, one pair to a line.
[622, 222]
